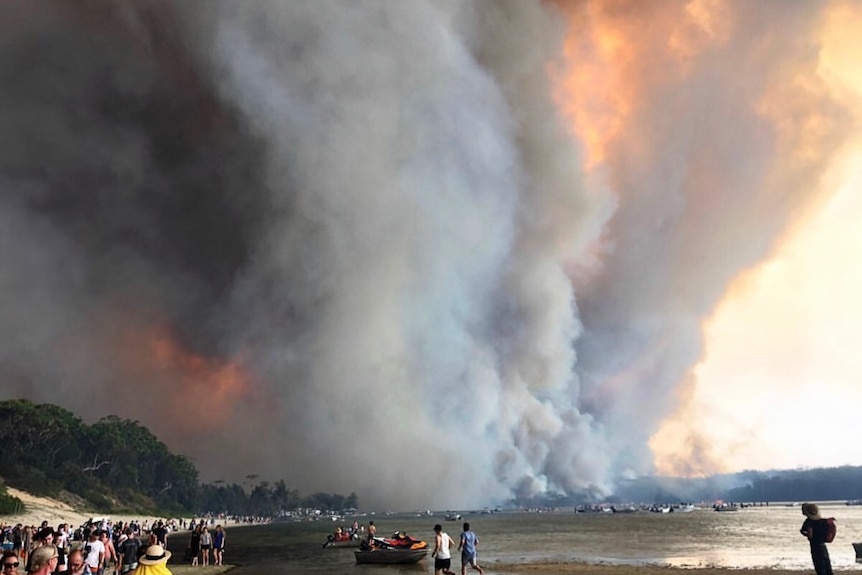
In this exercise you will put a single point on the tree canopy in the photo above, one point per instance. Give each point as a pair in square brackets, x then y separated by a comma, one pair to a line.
[119, 465]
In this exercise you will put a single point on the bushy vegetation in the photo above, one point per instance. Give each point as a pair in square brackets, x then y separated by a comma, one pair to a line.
[118, 465]
[8, 503]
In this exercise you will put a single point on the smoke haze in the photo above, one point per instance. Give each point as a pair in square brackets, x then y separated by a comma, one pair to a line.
[436, 253]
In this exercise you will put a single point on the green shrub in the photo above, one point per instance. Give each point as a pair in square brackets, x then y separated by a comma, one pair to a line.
[8, 504]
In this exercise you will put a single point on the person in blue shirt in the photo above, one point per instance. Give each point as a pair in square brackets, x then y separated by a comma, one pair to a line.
[467, 547]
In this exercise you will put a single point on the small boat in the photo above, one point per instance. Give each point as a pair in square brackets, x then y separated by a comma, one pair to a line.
[453, 516]
[342, 542]
[390, 556]
[342, 538]
[396, 550]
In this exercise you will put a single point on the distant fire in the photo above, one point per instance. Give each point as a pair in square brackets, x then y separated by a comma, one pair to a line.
[202, 391]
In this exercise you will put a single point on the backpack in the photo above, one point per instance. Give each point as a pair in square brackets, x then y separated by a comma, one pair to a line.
[831, 529]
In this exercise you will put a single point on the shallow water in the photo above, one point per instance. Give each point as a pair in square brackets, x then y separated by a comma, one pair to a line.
[752, 537]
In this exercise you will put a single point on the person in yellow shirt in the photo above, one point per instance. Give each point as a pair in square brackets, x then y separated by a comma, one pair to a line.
[154, 561]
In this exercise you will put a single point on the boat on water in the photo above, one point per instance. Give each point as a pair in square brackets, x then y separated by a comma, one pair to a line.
[342, 542]
[396, 550]
[343, 538]
[453, 516]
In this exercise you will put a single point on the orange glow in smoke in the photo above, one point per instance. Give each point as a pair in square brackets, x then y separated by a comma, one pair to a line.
[589, 91]
[612, 55]
[202, 390]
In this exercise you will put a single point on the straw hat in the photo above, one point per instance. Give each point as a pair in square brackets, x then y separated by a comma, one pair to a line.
[155, 554]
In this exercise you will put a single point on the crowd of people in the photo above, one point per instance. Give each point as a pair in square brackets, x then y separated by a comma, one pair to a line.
[103, 547]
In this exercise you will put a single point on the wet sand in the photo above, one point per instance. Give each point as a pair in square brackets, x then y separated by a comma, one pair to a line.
[38, 508]
[591, 569]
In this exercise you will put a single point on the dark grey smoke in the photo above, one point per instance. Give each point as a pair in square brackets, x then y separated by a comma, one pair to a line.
[351, 230]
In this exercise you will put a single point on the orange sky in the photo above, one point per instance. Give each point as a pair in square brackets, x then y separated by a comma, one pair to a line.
[780, 346]
[782, 358]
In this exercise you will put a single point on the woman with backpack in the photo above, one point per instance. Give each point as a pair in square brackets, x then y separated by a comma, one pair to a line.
[819, 531]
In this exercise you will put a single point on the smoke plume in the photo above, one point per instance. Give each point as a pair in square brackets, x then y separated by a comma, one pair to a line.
[439, 253]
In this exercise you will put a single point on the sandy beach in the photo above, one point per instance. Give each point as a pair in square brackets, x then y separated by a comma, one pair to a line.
[585, 568]
[55, 512]
[38, 509]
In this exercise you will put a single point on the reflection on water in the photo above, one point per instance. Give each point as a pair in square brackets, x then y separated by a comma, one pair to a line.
[753, 537]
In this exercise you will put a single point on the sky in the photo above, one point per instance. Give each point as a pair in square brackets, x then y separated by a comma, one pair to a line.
[438, 253]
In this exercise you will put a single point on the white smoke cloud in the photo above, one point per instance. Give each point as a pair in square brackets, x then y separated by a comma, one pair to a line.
[380, 212]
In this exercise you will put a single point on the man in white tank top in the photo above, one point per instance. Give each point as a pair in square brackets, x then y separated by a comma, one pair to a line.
[442, 556]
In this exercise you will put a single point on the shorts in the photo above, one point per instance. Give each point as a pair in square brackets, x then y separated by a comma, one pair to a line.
[205, 547]
[469, 559]
[129, 567]
[443, 564]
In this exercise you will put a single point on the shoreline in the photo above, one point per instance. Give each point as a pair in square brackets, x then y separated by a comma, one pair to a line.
[580, 568]
[38, 509]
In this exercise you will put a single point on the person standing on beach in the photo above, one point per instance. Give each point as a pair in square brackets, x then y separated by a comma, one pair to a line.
[26, 542]
[154, 561]
[218, 545]
[441, 554]
[467, 547]
[161, 533]
[815, 528]
[77, 565]
[194, 548]
[110, 550]
[128, 552]
[43, 560]
[206, 544]
[10, 562]
[95, 553]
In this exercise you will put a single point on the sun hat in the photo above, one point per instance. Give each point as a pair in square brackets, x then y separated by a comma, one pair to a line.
[155, 554]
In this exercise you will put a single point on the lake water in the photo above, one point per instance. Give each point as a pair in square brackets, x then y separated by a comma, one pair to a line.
[752, 537]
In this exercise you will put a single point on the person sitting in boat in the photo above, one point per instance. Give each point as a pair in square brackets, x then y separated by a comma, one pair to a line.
[339, 535]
